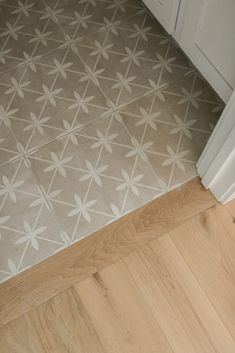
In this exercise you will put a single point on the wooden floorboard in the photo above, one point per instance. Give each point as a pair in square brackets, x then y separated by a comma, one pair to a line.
[173, 295]
[42, 282]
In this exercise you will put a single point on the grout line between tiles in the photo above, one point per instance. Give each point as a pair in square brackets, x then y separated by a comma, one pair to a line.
[73, 41]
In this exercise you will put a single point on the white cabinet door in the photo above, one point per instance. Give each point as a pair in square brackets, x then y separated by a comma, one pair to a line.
[165, 12]
[208, 38]
[216, 165]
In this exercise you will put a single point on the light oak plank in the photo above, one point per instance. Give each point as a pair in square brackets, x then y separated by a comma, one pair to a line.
[64, 325]
[108, 245]
[226, 215]
[20, 336]
[209, 252]
[175, 293]
[119, 313]
[168, 315]
[209, 320]
[230, 206]
[59, 325]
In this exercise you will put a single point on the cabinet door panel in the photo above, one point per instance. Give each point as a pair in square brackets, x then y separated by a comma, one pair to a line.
[208, 38]
[165, 12]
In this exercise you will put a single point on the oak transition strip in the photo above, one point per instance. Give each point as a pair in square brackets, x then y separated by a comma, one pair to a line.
[38, 284]
[173, 295]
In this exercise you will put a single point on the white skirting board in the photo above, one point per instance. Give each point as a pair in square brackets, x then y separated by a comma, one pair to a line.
[216, 165]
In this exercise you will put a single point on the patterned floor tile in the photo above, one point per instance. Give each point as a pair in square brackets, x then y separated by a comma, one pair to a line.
[8, 144]
[28, 30]
[144, 58]
[172, 126]
[100, 113]
[50, 97]
[78, 18]
[93, 174]
[28, 229]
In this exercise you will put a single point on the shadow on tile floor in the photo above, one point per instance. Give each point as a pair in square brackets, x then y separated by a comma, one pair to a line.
[100, 113]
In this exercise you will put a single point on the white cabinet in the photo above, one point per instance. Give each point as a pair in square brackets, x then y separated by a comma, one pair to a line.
[205, 30]
[208, 38]
[165, 11]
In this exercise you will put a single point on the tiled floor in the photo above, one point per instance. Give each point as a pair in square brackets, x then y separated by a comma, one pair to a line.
[100, 113]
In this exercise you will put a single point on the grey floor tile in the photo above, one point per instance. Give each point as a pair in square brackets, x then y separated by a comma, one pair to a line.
[100, 113]
[172, 126]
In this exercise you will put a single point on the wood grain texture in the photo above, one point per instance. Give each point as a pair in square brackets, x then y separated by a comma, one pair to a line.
[209, 252]
[42, 282]
[174, 295]
[211, 326]
[122, 319]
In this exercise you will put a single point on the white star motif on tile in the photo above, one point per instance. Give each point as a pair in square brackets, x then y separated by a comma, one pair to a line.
[124, 82]
[9, 188]
[114, 111]
[17, 87]
[5, 116]
[36, 124]
[49, 95]
[22, 9]
[164, 62]
[40, 37]
[3, 53]
[175, 158]
[81, 102]
[132, 56]
[101, 50]
[70, 132]
[140, 32]
[80, 20]
[91, 75]
[52, 14]
[104, 140]
[130, 182]
[139, 149]
[58, 164]
[30, 61]
[45, 198]
[190, 97]
[112, 26]
[60, 68]
[23, 155]
[93, 173]
[69, 43]
[82, 208]
[12, 31]
[31, 235]
[183, 126]
[148, 119]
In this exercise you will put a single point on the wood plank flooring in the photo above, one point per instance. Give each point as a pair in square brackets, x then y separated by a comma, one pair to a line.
[176, 294]
[108, 245]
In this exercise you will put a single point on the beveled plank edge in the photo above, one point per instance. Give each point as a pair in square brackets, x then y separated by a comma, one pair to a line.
[45, 280]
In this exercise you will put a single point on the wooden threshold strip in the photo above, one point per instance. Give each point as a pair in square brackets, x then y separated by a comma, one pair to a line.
[106, 246]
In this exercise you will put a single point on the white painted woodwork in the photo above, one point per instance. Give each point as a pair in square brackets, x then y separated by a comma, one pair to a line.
[165, 11]
[207, 35]
[205, 30]
[216, 165]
